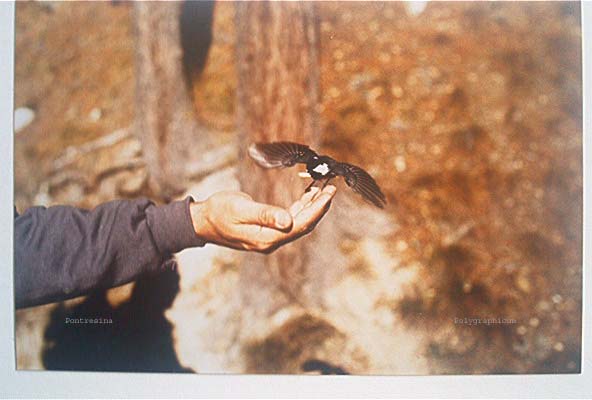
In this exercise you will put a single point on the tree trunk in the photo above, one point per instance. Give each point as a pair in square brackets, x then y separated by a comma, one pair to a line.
[165, 118]
[278, 99]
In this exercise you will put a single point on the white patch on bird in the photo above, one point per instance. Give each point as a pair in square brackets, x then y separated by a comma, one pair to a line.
[322, 169]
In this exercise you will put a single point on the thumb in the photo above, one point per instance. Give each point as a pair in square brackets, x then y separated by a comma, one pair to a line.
[269, 216]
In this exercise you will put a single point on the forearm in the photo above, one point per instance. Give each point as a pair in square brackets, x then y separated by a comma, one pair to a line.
[63, 252]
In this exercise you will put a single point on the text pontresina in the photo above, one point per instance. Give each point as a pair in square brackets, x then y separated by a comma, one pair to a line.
[88, 321]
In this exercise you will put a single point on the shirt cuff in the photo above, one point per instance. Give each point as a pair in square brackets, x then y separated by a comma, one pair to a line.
[172, 226]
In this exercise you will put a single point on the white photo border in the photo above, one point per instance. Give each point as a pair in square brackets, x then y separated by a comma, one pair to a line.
[15, 383]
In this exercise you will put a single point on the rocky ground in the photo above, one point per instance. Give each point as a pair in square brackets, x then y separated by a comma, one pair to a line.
[468, 114]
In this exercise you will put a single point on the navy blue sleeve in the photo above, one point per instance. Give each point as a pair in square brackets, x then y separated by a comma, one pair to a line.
[63, 252]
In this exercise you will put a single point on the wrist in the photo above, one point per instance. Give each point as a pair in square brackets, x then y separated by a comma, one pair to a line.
[199, 219]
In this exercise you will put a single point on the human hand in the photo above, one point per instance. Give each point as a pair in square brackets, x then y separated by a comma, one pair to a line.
[235, 220]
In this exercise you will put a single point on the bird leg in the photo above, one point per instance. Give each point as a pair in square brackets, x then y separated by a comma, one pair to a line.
[310, 186]
[326, 183]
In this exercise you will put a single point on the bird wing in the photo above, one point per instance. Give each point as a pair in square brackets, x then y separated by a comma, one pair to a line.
[361, 182]
[280, 154]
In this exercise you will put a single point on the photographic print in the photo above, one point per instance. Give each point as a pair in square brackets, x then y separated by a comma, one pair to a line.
[351, 188]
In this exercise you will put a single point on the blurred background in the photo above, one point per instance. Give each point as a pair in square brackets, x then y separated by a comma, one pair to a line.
[468, 114]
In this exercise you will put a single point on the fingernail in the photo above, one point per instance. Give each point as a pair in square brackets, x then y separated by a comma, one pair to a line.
[283, 219]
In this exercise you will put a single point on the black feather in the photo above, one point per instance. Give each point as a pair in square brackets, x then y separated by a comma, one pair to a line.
[280, 154]
[361, 182]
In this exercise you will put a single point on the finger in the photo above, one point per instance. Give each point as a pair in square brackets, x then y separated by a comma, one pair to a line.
[330, 190]
[243, 194]
[304, 222]
[307, 218]
[303, 201]
[264, 215]
[257, 234]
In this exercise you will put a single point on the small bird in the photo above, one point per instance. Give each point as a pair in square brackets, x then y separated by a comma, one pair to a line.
[320, 167]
